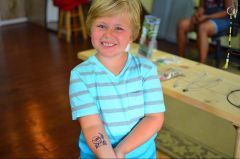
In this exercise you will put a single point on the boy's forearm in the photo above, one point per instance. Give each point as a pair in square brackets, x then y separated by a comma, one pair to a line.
[95, 136]
[145, 129]
[98, 141]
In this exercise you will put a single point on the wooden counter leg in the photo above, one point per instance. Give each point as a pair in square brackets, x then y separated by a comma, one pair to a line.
[237, 145]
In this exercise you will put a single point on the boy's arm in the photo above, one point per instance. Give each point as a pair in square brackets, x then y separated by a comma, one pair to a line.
[144, 130]
[96, 136]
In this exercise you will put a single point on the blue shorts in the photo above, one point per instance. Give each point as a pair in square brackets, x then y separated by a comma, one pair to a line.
[220, 24]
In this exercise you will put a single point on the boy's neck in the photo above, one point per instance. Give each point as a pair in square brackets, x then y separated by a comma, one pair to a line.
[114, 64]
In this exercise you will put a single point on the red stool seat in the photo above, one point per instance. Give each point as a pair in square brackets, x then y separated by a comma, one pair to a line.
[68, 5]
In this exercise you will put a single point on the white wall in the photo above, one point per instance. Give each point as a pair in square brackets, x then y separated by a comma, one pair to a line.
[52, 12]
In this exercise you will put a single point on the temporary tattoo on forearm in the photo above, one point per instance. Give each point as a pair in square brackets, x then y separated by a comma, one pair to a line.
[99, 141]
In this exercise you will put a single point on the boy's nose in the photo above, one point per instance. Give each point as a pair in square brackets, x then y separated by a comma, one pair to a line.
[108, 32]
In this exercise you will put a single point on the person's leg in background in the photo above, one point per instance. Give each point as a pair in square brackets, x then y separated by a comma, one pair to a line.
[204, 31]
[183, 27]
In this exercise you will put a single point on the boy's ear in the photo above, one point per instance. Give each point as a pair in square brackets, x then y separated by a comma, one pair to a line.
[132, 39]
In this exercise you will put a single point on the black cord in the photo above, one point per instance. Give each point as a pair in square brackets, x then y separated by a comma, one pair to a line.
[237, 90]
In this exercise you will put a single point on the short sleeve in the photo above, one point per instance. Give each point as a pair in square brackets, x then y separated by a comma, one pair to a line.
[81, 101]
[153, 94]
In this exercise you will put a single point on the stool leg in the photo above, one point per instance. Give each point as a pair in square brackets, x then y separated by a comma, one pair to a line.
[74, 21]
[68, 26]
[60, 23]
[82, 22]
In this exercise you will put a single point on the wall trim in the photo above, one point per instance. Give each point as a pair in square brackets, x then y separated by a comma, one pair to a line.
[13, 21]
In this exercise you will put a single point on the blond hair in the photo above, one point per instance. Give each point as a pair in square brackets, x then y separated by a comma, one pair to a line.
[102, 8]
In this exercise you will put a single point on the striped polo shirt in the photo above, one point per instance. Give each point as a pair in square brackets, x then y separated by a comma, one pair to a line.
[120, 100]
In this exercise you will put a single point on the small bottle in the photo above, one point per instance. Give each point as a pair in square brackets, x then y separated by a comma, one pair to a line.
[148, 40]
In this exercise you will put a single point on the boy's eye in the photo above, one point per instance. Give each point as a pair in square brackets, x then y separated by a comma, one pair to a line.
[101, 26]
[119, 28]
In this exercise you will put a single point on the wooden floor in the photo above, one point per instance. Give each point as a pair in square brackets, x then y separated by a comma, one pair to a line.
[34, 106]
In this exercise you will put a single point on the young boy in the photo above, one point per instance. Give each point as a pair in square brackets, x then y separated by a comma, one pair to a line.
[115, 96]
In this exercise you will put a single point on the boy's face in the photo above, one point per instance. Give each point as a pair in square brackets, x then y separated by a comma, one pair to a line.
[110, 35]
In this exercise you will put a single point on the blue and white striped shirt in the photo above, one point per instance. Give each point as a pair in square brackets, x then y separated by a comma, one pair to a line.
[121, 101]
